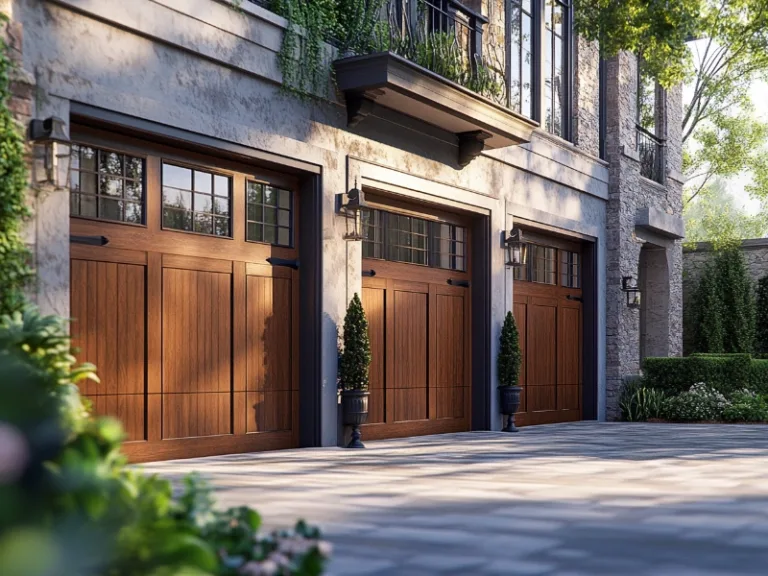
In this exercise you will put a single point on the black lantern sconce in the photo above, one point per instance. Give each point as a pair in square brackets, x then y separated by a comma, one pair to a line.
[51, 153]
[351, 206]
[517, 249]
[630, 288]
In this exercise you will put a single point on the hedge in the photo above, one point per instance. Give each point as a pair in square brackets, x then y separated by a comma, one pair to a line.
[725, 373]
[758, 376]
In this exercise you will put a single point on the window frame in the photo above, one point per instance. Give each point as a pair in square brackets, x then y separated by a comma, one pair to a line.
[277, 226]
[525, 273]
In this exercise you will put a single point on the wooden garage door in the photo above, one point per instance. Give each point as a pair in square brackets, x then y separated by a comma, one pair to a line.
[548, 312]
[418, 319]
[193, 332]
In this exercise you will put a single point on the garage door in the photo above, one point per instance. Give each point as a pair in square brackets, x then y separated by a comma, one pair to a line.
[193, 330]
[548, 311]
[416, 298]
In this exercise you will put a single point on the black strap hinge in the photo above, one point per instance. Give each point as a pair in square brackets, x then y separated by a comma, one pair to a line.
[460, 283]
[90, 240]
[293, 264]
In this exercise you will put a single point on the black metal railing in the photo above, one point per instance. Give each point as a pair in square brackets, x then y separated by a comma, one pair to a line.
[652, 152]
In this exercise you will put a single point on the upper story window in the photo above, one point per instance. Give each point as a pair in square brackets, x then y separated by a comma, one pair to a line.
[106, 185]
[405, 238]
[540, 62]
[196, 200]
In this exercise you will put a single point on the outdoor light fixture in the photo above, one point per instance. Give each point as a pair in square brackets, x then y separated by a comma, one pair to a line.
[51, 152]
[629, 286]
[517, 250]
[351, 206]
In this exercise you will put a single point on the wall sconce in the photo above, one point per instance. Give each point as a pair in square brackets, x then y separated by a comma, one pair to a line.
[630, 288]
[351, 206]
[51, 153]
[517, 249]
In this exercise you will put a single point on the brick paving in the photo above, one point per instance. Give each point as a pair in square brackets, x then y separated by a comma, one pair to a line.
[580, 498]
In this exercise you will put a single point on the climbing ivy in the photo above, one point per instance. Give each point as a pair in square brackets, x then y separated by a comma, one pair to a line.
[761, 323]
[15, 272]
[724, 306]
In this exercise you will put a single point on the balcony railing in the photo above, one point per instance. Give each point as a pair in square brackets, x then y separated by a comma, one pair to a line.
[652, 152]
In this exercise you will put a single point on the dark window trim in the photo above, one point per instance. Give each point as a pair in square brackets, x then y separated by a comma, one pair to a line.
[603, 105]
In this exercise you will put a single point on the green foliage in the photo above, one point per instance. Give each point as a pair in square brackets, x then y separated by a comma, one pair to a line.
[746, 406]
[758, 376]
[15, 272]
[724, 373]
[69, 505]
[510, 357]
[656, 30]
[724, 307]
[356, 355]
[761, 316]
[639, 404]
[699, 403]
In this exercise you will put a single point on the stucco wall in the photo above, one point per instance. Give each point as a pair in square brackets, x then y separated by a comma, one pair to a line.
[208, 69]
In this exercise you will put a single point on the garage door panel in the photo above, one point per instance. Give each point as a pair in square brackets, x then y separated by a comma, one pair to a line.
[568, 346]
[269, 411]
[541, 398]
[374, 304]
[541, 345]
[410, 404]
[449, 341]
[568, 397]
[194, 415]
[128, 408]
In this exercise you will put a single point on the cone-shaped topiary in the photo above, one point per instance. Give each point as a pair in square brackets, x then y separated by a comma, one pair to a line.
[510, 357]
[356, 355]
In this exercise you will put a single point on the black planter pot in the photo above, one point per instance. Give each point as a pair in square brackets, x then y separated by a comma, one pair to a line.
[509, 401]
[354, 406]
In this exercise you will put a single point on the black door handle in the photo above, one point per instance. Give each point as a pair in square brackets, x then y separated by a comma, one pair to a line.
[293, 264]
[461, 283]
[90, 240]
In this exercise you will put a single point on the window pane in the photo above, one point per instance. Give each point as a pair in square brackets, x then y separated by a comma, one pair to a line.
[110, 163]
[203, 223]
[110, 186]
[88, 206]
[284, 200]
[203, 203]
[221, 185]
[134, 168]
[284, 237]
[88, 158]
[263, 217]
[203, 182]
[177, 198]
[255, 193]
[88, 183]
[133, 212]
[177, 176]
[110, 209]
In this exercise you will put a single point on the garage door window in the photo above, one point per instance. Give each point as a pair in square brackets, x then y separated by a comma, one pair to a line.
[543, 264]
[106, 185]
[570, 265]
[401, 238]
[269, 217]
[196, 201]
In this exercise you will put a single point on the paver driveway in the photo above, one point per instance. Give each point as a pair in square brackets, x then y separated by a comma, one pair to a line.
[582, 498]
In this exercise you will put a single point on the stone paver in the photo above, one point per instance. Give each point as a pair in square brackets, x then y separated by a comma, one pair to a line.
[581, 498]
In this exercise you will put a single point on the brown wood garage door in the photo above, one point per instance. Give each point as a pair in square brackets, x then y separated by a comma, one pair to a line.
[194, 334]
[548, 312]
[418, 317]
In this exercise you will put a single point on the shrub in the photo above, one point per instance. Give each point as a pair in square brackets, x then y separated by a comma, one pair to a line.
[723, 372]
[510, 357]
[761, 320]
[69, 504]
[699, 403]
[356, 356]
[758, 376]
[642, 404]
[746, 406]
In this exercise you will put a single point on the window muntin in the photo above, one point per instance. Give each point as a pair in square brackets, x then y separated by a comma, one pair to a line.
[196, 200]
[570, 269]
[543, 264]
[106, 185]
[402, 238]
[521, 71]
[556, 66]
[269, 214]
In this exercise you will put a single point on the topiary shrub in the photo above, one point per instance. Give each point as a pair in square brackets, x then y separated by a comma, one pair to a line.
[758, 376]
[746, 406]
[69, 505]
[510, 358]
[698, 404]
[355, 358]
[761, 316]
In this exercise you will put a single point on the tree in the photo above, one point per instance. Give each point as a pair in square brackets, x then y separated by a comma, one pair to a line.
[356, 355]
[510, 358]
[714, 217]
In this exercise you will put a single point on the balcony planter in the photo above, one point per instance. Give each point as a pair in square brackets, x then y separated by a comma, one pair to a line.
[509, 403]
[354, 409]
[388, 80]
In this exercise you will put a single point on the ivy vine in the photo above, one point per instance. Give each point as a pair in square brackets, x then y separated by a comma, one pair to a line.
[761, 324]
[15, 271]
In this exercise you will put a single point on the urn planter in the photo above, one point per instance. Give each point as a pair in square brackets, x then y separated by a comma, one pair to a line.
[509, 402]
[354, 406]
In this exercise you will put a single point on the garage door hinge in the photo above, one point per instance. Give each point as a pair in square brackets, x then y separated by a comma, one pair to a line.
[576, 298]
[369, 272]
[462, 283]
[294, 264]
[90, 240]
